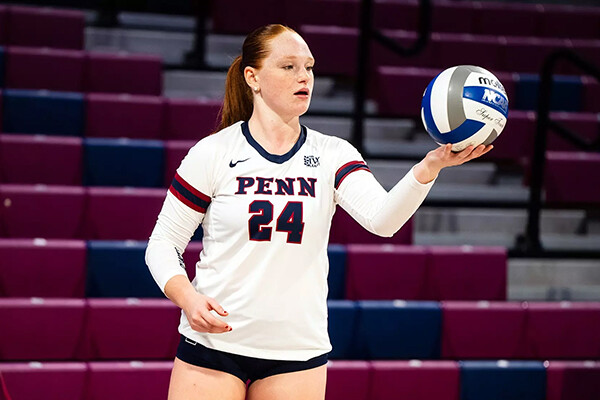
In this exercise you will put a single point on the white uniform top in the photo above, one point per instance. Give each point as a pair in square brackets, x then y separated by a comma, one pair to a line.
[266, 221]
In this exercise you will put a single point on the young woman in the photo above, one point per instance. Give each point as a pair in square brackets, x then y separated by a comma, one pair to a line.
[265, 189]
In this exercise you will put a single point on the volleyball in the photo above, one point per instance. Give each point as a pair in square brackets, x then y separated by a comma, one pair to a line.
[464, 105]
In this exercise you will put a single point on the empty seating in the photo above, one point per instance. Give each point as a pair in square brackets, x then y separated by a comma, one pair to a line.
[122, 213]
[41, 329]
[124, 73]
[123, 162]
[348, 380]
[45, 27]
[467, 273]
[572, 380]
[118, 269]
[190, 119]
[124, 115]
[502, 380]
[132, 329]
[52, 113]
[2, 58]
[344, 229]
[516, 142]
[591, 94]
[563, 330]
[564, 173]
[398, 330]
[426, 380]
[342, 326]
[336, 279]
[148, 380]
[496, 18]
[42, 268]
[30, 211]
[175, 151]
[44, 68]
[527, 54]
[476, 330]
[40, 159]
[3, 20]
[386, 272]
[566, 93]
[571, 21]
[48, 381]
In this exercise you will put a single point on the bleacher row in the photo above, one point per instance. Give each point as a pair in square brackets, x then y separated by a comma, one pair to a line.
[112, 268]
[357, 380]
[470, 17]
[145, 329]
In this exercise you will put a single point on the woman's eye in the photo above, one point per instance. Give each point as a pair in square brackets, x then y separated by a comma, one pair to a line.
[288, 67]
[310, 68]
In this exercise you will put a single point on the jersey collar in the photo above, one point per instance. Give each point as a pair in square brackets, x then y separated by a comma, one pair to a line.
[279, 159]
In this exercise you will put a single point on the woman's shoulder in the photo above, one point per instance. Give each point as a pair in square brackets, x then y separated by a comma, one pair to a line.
[327, 141]
[220, 140]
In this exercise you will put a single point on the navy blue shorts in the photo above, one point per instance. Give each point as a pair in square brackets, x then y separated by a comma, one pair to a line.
[245, 368]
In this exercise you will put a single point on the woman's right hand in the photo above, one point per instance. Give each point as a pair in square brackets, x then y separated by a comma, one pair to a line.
[198, 311]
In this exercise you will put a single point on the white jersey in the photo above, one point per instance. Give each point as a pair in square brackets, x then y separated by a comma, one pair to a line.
[266, 221]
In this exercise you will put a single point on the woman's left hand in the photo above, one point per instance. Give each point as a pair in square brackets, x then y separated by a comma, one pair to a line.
[442, 157]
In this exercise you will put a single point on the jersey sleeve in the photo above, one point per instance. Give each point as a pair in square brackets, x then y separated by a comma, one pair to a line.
[183, 210]
[362, 196]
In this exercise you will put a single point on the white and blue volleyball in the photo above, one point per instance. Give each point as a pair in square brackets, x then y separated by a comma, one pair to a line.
[464, 105]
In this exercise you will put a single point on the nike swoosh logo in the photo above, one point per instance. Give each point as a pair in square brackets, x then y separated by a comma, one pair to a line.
[233, 164]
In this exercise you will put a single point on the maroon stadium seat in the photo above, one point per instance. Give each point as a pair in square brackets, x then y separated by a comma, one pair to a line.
[405, 102]
[565, 172]
[189, 119]
[247, 17]
[570, 21]
[573, 380]
[122, 213]
[123, 73]
[452, 16]
[42, 268]
[383, 56]
[45, 27]
[508, 19]
[148, 380]
[44, 68]
[423, 380]
[345, 230]
[467, 273]
[342, 13]
[348, 380]
[527, 54]
[476, 330]
[563, 330]
[26, 211]
[584, 125]
[385, 272]
[126, 329]
[467, 49]
[40, 159]
[48, 381]
[41, 329]
[124, 115]
[175, 151]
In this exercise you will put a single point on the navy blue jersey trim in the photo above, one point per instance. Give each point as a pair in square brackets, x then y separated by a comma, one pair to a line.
[347, 169]
[272, 157]
[193, 200]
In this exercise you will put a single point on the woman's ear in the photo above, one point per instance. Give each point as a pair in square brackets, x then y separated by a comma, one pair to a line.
[250, 76]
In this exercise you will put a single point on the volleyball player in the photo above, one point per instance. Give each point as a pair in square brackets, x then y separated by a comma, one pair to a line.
[265, 189]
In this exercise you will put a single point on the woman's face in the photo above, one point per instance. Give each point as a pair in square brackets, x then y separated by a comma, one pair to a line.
[286, 80]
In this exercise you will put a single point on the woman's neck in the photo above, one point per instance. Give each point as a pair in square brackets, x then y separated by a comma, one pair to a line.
[274, 134]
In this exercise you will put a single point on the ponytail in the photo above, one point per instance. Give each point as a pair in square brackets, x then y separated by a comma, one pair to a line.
[239, 101]
[237, 104]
